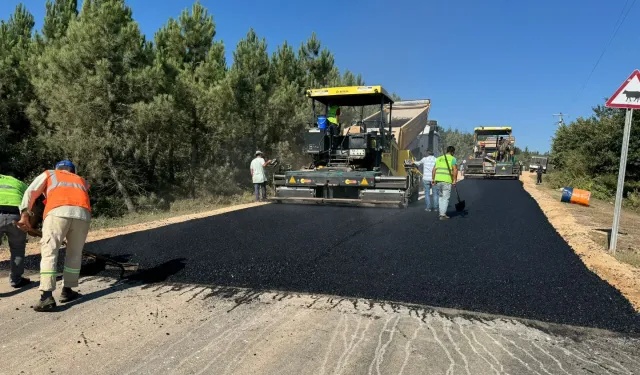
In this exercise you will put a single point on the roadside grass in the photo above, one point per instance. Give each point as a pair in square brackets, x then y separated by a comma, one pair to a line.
[177, 208]
[631, 258]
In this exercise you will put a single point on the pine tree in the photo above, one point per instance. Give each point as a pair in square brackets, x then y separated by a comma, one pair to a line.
[88, 84]
[59, 14]
[17, 151]
[319, 63]
[193, 63]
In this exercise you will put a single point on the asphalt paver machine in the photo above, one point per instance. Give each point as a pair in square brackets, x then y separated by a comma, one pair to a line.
[356, 164]
[487, 161]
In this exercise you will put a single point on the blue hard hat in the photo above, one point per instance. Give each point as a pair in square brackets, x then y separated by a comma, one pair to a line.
[66, 163]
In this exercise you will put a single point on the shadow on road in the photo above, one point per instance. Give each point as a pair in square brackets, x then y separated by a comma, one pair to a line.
[157, 274]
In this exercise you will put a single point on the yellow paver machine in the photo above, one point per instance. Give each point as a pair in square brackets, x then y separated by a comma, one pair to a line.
[493, 154]
[359, 163]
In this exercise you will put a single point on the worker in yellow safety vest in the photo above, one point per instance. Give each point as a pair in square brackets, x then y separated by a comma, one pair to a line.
[444, 176]
[333, 117]
[11, 192]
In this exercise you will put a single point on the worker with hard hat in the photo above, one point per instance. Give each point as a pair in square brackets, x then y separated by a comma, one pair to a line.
[11, 192]
[67, 215]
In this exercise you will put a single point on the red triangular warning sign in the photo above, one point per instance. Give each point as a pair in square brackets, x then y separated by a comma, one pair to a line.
[628, 95]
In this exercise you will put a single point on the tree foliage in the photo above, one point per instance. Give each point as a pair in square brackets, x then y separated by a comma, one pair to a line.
[461, 140]
[150, 121]
[586, 153]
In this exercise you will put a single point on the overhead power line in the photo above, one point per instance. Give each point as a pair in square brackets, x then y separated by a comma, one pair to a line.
[621, 18]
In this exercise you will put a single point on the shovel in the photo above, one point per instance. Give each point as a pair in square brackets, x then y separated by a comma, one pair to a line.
[461, 204]
[108, 261]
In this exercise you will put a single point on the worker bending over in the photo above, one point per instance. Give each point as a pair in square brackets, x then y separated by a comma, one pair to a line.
[67, 215]
[11, 192]
[445, 175]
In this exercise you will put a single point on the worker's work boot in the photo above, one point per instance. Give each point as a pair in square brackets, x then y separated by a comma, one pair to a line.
[68, 295]
[22, 282]
[46, 303]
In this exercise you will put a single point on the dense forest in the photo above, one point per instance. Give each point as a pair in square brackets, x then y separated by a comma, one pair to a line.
[150, 120]
[586, 154]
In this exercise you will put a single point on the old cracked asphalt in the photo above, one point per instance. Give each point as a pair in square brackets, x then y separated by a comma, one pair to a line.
[501, 257]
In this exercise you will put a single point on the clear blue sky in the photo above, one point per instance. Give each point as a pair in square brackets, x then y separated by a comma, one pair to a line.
[492, 62]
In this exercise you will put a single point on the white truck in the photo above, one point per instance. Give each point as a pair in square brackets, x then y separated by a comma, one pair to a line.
[537, 161]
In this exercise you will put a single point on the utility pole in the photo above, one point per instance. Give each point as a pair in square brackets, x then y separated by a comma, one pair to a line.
[560, 118]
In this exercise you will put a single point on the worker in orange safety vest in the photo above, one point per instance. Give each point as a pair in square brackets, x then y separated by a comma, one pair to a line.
[67, 215]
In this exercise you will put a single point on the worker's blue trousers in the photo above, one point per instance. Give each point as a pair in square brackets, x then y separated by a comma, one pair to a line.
[257, 188]
[431, 200]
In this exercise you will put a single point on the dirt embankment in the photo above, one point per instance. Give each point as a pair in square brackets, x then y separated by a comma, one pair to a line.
[580, 237]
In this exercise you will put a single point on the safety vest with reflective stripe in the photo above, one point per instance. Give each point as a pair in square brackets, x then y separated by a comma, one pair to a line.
[11, 191]
[332, 115]
[66, 189]
[442, 172]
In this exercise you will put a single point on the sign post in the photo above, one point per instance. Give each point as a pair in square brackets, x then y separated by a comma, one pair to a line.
[628, 97]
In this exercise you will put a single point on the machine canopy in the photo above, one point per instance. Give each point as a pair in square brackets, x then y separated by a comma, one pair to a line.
[351, 96]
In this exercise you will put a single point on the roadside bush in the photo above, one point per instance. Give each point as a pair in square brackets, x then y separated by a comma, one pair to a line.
[108, 206]
[633, 200]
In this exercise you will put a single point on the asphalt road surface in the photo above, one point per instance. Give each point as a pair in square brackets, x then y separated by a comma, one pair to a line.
[501, 257]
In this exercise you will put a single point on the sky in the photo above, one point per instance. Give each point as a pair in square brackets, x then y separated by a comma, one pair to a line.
[482, 63]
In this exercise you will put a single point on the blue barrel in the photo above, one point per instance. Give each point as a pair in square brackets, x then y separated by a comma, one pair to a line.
[322, 122]
[567, 193]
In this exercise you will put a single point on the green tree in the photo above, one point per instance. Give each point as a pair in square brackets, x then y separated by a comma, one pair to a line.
[88, 85]
[461, 140]
[18, 150]
[192, 62]
[318, 63]
[252, 83]
[59, 14]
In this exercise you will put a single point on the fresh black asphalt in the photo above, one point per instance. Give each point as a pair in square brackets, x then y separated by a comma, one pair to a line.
[501, 256]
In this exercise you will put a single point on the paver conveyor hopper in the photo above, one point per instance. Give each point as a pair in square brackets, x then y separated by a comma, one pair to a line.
[363, 163]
